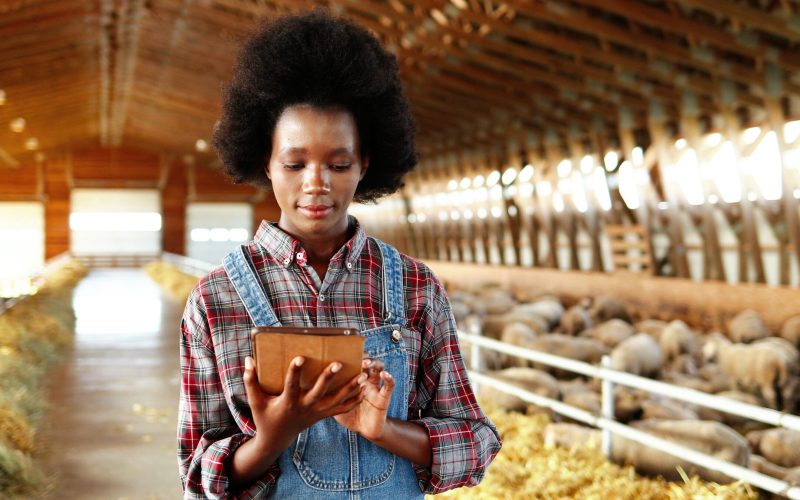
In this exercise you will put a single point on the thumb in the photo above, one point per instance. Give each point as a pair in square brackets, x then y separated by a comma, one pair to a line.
[250, 379]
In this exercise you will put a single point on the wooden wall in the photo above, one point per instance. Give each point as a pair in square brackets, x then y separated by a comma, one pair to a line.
[180, 181]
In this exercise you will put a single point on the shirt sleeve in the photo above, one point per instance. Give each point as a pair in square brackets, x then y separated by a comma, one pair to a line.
[207, 433]
[463, 439]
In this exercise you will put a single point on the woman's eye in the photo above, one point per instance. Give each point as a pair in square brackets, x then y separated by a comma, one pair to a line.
[293, 166]
[340, 167]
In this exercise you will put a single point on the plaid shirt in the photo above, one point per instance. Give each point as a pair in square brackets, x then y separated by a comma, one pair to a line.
[215, 338]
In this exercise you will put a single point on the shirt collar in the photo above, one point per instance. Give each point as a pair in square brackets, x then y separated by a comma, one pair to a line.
[287, 250]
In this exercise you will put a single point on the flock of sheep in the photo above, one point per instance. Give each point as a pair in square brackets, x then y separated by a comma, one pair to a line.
[747, 362]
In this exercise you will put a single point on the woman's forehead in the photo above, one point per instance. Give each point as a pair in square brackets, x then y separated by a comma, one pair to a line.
[300, 128]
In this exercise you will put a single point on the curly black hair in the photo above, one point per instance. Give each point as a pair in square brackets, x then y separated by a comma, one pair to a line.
[323, 61]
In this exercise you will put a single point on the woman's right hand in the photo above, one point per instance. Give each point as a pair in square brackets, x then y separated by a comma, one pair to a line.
[282, 417]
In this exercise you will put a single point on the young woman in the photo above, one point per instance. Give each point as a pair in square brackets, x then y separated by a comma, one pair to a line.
[316, 112]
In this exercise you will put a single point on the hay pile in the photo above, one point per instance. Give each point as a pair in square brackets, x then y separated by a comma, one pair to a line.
[177, 283]
[33, 335]
[525, 468]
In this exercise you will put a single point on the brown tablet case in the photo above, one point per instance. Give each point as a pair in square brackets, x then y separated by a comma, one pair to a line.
[275, 347]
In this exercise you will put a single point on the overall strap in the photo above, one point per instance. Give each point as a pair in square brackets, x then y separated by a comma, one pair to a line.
[244, 277]
[392, 283]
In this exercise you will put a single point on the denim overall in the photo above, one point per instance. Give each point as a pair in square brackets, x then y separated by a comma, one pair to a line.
[327, 460]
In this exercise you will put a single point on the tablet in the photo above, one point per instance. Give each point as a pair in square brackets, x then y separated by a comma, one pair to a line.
[275, 347]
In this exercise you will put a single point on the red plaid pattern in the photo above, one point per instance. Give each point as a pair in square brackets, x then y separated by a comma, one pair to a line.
[214, 417]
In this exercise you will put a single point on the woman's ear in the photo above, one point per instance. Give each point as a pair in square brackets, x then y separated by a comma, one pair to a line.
[364, 167]
[266, 169]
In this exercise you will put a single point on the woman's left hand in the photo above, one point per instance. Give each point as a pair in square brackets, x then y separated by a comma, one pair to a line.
[369, 417]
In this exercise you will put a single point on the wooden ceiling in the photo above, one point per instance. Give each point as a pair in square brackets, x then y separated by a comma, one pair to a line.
[147, 74]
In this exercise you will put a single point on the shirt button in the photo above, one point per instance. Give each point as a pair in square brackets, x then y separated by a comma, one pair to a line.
[322, 297]
[396, 336]
[286, 261]
[349, 265]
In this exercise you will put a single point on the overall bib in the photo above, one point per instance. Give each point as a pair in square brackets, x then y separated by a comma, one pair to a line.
[327, 460]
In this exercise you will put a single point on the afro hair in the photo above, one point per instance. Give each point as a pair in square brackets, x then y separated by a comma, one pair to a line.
[324, 61]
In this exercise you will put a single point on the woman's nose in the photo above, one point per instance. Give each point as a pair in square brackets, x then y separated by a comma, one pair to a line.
[316, 180]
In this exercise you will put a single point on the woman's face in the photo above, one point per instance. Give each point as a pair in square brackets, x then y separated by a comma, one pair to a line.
[315, 168]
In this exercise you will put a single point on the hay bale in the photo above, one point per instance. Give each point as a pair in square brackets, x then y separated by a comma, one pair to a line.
[16, 431]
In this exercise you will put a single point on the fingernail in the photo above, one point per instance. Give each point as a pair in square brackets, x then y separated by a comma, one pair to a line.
[336, 367]
[299, 361]
[248, 363]
[388, 375]
[362, 378]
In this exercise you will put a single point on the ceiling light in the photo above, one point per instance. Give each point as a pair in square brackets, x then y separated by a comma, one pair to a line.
[17, 125]
[201, 145]
[32, 143]
[2, 97]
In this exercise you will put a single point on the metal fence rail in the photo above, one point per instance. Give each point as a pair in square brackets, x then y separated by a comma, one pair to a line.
[609, 425]
[188, 265]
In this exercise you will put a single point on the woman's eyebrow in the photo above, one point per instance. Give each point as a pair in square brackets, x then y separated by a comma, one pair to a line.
[295, 149]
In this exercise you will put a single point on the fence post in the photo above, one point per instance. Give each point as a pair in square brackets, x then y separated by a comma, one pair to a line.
[607, 407]
[476, 363]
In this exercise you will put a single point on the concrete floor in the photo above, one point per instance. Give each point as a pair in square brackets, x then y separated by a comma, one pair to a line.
[111, 431]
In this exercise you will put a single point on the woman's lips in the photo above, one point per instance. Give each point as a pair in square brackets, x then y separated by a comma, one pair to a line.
[316, 211]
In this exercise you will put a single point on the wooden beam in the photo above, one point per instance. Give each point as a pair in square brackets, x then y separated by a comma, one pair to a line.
[743, 13]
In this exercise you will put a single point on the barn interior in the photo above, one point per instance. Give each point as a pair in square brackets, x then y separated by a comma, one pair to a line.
[645, 151]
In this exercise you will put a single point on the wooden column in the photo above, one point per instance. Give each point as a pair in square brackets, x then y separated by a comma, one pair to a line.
[749, 246]
[677, 251]
[646, 195]
[713, 269]
[530, 222]
[57, 208]
[173, 186]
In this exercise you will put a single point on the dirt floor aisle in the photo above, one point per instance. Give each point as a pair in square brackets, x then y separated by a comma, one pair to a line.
[111, 429]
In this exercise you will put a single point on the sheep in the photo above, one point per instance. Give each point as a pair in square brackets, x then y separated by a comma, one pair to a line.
[628, 403]
[605, 308]
[779, 446]
[581, 349]
[587, 401]
[683, 380]
[792, 476]
[568, 435]
[639, 354]
[575, 320]
[667, 409]
[496, 300]
[530, 379]
[492, 325]
[767, 367]
[727, 418]
[683, 364]
[711, 438]
[676, 339]
[717, 380]
[611, 332]
[791, 330]
[652, 327]
[764, 466]
[746, 327]
[548, 309]
[518, 334]
[461, 311]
